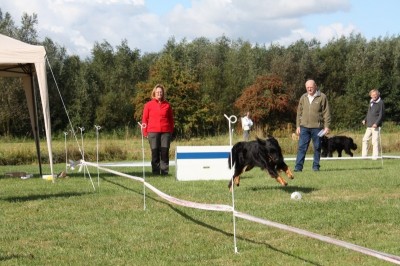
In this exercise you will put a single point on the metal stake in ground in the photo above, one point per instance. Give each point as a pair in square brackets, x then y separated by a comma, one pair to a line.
[380, 144]
[232, 120]
[66, 152]
[83, 150]
[83, 162]
[97, 154]
[144, 173]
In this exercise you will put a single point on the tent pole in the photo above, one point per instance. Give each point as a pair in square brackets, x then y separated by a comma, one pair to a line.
[36, 126]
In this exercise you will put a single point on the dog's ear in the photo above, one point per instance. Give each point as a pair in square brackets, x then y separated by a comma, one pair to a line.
[261, 141]
[270, 138]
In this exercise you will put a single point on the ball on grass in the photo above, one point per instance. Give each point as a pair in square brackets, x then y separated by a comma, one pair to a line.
[296, 195]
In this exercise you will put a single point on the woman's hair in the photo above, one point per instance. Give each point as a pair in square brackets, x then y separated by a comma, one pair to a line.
[153, 93]
[374, 90]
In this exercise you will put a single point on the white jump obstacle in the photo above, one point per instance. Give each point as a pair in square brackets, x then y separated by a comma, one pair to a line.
[202, 163]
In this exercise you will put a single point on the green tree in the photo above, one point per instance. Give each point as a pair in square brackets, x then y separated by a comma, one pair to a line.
[14, 118]
[56, 80]
[392, 96]
[117, 78]
[192, 112]
[27, 32]
[363, 75]
[7, 24]
[295, 65]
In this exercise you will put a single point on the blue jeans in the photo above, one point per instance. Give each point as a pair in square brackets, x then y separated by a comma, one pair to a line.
[306, 135]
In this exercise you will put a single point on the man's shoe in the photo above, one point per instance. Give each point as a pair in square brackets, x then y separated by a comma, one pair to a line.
[164, 172]
[297, 170]
[315, 169]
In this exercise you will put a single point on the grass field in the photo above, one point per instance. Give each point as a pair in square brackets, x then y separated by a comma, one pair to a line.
[68, 223]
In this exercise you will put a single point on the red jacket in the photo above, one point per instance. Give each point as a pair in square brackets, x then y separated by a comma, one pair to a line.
[158, 117]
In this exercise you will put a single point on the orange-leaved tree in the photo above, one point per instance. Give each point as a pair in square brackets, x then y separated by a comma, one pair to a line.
[268, 102]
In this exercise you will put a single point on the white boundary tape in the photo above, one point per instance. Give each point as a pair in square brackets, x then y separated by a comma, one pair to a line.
[172, 163]
[209, 207]
[367, 251]
[131, 164]
[349, 158]
[226, 208]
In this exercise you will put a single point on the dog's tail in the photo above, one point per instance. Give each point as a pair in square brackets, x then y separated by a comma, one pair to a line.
[354, 145]
[232, 157]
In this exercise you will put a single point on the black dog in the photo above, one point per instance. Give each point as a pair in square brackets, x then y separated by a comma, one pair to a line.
[337, 143]
[266, 154]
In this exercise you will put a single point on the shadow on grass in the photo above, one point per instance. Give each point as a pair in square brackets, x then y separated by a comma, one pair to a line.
[288, 189]
[106, 174]
[66, 194]
[352, 169]
[93, 174]
[213, 228]
[15, 256]
[119, 185]
[43, 197]
[188, 217]
[132, 190]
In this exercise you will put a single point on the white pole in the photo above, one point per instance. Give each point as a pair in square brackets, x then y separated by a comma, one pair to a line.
[232, 120]
[84, 165]
[66, 152]
[83, 150]
[144, 173]
[97, 154]
[380, 144]
[83, 162]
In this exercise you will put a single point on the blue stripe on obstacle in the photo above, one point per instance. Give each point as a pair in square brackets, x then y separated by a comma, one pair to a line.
[202, 155]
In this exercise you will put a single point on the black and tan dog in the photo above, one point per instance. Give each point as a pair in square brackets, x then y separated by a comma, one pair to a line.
[337, 143]
[266, 154]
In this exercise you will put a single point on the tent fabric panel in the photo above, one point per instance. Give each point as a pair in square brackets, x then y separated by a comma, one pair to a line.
[44, 96]
[27, 83]
[14, 70]
[14, 51]
[15, 59]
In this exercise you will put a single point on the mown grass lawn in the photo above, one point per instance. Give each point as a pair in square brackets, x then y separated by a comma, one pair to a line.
[68, 223]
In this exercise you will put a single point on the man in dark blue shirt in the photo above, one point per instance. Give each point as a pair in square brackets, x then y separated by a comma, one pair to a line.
[373, 121]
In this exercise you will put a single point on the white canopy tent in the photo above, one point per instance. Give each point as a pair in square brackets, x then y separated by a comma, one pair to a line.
[19, 59]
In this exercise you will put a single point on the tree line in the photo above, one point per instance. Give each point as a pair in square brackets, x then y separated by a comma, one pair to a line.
[204, 80]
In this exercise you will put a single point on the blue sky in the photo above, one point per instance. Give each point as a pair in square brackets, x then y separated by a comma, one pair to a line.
[148, 24]
[164, 6]
[371, 18]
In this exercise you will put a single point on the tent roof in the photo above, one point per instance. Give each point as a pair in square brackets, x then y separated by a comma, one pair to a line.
[14, 51]
[19, 59]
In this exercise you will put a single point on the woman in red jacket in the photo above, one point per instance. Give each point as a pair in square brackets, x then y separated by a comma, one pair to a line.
[159, 120]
